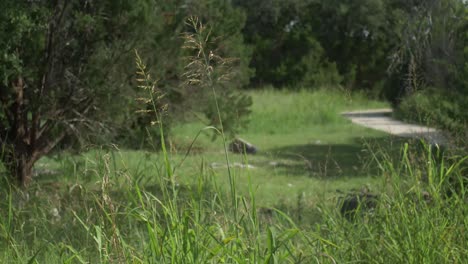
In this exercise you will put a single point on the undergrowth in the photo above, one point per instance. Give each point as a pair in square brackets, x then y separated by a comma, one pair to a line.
[419, 216]
[444, 110]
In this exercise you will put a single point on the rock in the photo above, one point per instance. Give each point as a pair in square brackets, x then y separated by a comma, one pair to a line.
[353, 203]
[241, 146]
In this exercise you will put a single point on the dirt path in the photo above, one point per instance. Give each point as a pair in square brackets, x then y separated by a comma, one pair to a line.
[380, 119]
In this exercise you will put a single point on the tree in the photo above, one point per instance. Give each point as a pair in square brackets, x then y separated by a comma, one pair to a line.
[59, 67]
[67, 68]
[168, 59]
[286, 51]
[430, 46]
[357, 35]
[429, 66]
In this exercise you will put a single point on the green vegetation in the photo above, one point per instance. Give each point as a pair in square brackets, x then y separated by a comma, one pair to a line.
[435, 108]
[434, 76]
[112, 205]
[105, 161]
[67, 67]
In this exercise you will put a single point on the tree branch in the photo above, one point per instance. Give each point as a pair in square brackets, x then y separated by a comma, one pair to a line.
[18, 108]
[54, 25]
[44, 146]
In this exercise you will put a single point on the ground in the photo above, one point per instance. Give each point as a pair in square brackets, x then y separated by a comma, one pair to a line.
[381, 119]
[115, 205]
[306, 148]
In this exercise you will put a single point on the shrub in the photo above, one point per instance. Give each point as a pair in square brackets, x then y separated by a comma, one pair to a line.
[436, 108]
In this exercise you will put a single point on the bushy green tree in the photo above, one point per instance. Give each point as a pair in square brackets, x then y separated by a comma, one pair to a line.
[357, 36]
[168, 61]
[67, 69]
[315, 42]
[429, 51]
[63, 71]
[285, 50]
[430, 64]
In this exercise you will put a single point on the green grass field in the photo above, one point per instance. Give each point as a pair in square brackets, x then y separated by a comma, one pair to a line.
[306, 148]
[111, 205]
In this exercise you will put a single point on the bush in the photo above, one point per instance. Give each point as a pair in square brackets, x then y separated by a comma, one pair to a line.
[436, 108]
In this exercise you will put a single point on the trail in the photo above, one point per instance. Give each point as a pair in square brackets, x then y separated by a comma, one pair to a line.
[380, 119]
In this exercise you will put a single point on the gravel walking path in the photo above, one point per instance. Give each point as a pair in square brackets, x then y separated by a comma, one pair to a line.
[380, 119]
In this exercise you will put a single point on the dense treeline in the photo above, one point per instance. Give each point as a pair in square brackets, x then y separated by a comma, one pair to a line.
[412, 53]
[364, 44]
[68, 71]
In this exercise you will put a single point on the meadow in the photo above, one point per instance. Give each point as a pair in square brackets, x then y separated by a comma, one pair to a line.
[194, 202]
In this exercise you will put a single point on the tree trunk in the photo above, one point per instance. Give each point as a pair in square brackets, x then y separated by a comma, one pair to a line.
[20, 166]
[24, 171]
[19, 158]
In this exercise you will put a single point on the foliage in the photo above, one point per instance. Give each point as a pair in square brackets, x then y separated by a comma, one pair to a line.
[226, 23]
[356, 36]
[61, 66]
[67, 71]
[434, 107]
[390, 48]
[168, 59]
[285, 51]
[431, 66]
[463, 33]
[120, 219]
[74, 60]
[109, 205]
[430, 52]
[209, 75]
[416, 205]
[314, 43]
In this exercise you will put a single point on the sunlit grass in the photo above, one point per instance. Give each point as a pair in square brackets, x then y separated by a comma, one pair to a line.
[302, 157]
[111, 205]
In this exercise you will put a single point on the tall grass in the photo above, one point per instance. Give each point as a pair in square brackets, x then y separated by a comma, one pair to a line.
[420, 216]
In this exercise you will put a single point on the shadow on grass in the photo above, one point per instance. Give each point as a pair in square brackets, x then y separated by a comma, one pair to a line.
[334, 160]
